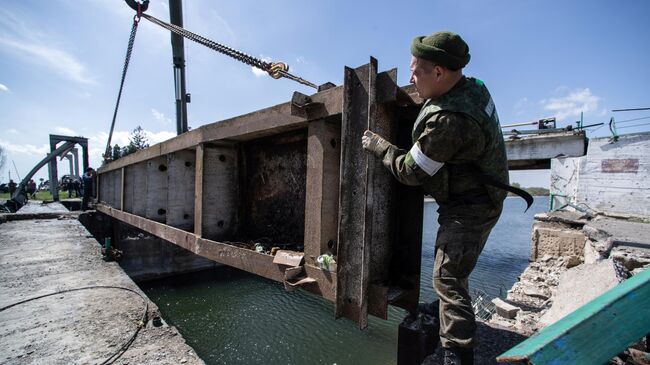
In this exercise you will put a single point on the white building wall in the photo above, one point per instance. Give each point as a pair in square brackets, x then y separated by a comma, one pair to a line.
[613, 177]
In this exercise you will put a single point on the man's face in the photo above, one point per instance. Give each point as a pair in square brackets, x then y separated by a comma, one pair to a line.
[426, 77]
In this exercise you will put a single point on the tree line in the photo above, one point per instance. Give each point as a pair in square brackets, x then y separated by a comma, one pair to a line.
[137, 141]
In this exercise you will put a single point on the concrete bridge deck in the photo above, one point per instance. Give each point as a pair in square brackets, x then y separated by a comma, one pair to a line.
[43, 256]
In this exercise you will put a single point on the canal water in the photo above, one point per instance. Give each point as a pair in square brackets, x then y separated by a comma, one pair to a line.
[232, 317]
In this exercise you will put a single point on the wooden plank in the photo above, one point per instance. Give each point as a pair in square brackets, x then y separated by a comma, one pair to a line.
[198, 191]
[595, 332]
[322, 190]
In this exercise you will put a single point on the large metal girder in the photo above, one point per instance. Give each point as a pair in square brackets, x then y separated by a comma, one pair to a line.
[290, 177]
[369, 225]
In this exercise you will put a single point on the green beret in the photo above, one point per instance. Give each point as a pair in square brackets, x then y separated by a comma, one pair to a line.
[442, 48]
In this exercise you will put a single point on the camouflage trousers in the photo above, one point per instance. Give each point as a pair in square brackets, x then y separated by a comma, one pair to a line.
[462, 234]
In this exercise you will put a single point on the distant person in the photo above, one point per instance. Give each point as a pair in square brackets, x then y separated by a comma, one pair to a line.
[76, 184]
[87, 180]
[31, 189]
[12, 188]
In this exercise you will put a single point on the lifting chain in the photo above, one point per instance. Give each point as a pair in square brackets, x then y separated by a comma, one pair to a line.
[275, 70]
[129, 49]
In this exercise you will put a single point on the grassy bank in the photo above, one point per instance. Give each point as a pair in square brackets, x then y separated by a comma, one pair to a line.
[40, 195]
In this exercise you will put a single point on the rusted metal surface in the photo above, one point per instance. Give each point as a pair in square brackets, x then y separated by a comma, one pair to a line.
[351, 288]
[322, 190]
[273, 187]
[289, 177]
[367, 210]
[248, 260]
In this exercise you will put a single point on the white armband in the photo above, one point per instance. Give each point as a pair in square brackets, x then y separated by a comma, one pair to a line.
[426, 164]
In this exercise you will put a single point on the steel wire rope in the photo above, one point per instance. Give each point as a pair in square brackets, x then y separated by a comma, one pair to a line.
[116, 355]
[129, 49]
[633, 125]
[631, 120]
[271, 68]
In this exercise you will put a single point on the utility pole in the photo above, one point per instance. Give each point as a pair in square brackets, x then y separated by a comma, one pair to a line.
[178, 53]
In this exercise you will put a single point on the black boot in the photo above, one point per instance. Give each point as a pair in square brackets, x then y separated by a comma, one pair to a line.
[458, 356]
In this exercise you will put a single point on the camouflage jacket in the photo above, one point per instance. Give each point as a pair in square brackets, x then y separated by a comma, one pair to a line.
[456, 139]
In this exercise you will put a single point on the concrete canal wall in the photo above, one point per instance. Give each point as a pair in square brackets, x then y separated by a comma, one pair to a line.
[43, 256]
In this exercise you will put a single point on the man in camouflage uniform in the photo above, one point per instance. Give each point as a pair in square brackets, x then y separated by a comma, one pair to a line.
[458, 155]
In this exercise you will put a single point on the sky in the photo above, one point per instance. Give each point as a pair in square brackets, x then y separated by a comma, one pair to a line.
[61, 62]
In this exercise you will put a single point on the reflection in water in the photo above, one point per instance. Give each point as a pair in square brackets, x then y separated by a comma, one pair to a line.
[232, 317]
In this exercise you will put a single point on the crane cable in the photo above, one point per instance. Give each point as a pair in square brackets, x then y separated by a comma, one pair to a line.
[129, 49]
[275, 69]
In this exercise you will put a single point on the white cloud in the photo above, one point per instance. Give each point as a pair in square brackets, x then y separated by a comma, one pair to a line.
[12, 131]
[259, 73]
[26, 149]
[56, 59]
[160, 117]
[4, 88]
[158, 137]
[301, 59]
[571, 105]
[26, 41]
[65, 131]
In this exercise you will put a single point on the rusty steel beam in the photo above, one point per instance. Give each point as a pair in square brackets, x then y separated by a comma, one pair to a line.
[264, 122]
[244, 259]
[291, 177]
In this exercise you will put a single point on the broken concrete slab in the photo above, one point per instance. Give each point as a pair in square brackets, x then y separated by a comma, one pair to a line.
[631, 257]
[504, 309]
[619, 232]
[578, 286]
[591, 255]
[556, 242]
[40, 207]
[563, 216]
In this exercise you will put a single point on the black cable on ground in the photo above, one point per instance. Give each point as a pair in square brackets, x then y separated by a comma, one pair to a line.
[116, 355]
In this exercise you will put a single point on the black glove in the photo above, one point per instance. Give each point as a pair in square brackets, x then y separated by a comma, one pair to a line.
[372, 142]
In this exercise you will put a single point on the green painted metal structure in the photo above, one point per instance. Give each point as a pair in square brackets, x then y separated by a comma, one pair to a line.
[595, 332]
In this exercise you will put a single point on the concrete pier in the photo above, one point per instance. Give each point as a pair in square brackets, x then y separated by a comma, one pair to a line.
[43, 256]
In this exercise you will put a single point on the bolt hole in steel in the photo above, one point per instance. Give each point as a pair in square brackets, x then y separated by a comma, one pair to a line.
[330, 244]
[220, 224]
[188, 164]
[333, 143]
[222, 158]
[161, 211]
[162, 168]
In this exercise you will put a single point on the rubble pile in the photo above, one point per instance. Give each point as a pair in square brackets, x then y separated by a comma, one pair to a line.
[575, 257]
